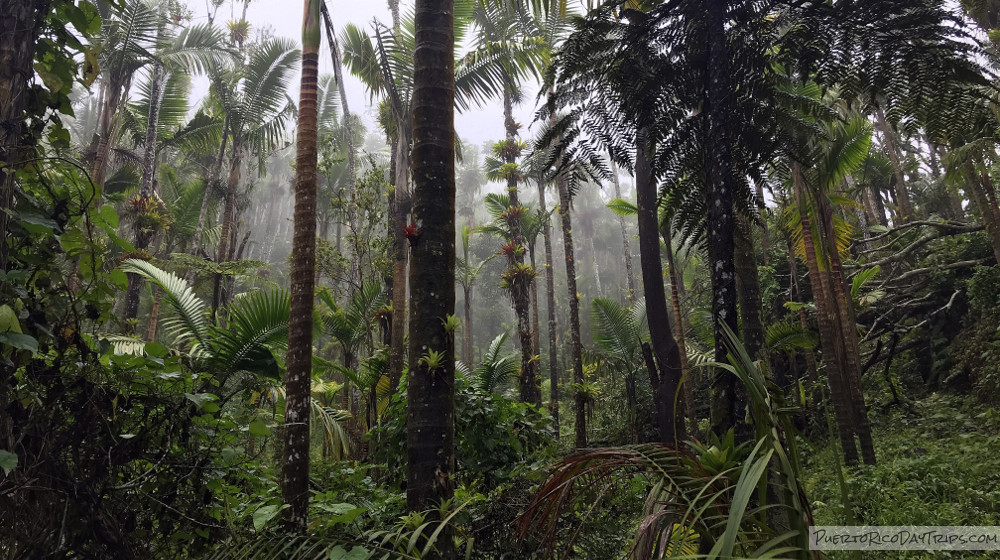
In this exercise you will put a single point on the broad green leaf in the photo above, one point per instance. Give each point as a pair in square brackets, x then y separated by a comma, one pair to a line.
[8, 461]
[257, 428]
[156, 350]
[20, 341]
[264, 514]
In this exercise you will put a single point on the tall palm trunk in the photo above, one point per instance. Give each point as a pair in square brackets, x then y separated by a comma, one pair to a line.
[535, 331]
[212, 180]
[668, 357]
[849, 331]
[628, 249]
[550, 294]
[142, 236]
[352, 172]
[830, 342]
[295, 466]
[518, 279]
[574, 312]
[430, 415]
[796, 296]
[401, 254]
[400, 210]
[19, 20]
[904, 208]
[721, 219]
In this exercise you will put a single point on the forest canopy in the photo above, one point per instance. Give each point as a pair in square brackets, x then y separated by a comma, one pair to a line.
[697, 276]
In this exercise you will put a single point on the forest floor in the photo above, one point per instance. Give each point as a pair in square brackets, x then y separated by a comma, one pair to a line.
[938, 464]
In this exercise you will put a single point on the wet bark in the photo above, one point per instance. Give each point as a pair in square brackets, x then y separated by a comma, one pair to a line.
[664, 346]
[550, 309]
[298, 378]
[574, 313]
[430, 428]
[904, 207]
[721, 219]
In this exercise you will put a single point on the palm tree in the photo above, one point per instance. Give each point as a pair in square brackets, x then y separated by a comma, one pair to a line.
[500, 31]
[133, 38]
[295, 463]
[467, 272]
[620, 332]
[430, 417]
[566, 221]
[163, 106]
[384, 65]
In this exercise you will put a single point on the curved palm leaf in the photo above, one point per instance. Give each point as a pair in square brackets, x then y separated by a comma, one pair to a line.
[256, 322]
[190, 324]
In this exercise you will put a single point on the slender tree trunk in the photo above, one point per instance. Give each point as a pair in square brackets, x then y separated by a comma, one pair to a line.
[352, 174]
[849, 330]
[597, 267]
[213, 178]
[154, 315]
[664, 346]
[748, 289]
[401, 253]
[97, 173]
[687, 374]
[19, 20]
[630, 296]
[830, 340]
[535, 331]
[142, 236]
[796, 296]
[295, 466]
[721, 219]
[905, 209]
[518, 278]
[430, 418]
[550, 291]
[467, 350]
[574, 313]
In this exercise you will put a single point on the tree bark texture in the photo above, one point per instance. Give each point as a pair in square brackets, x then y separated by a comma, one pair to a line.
[550, 294]
[664, 346]
[298, 378]
[574, 313]
[430, 426]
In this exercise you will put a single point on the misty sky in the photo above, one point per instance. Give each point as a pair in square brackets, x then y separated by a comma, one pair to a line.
[285, 17]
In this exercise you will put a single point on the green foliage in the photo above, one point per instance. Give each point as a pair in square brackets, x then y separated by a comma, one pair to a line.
[936, 467]
[495, 437]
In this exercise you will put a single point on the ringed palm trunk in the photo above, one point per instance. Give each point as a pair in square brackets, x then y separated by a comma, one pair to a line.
[664, 346]
[18, 19]
[550, 291]
[721, 219]
[628, 249]
[519, 281]
[849, 330]
[295, 465]
[830, 341]
[574, 313]
[430, 415]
